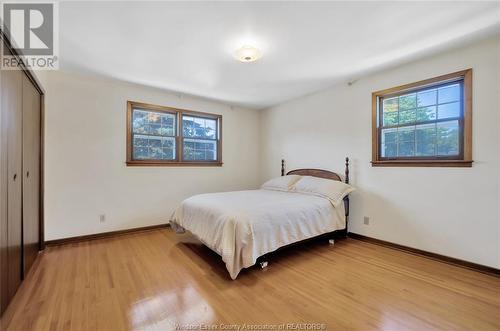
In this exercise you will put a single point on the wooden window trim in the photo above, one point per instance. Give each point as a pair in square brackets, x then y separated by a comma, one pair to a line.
[178, 137]
[464, 160]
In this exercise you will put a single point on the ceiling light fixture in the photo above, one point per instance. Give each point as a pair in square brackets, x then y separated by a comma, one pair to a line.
[248, 54]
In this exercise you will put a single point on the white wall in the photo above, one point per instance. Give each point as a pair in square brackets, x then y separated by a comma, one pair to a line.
[85, 152]
[450, 211]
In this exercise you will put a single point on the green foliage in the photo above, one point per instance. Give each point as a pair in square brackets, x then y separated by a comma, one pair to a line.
[153, 135]
[202, 145]
[408, 101]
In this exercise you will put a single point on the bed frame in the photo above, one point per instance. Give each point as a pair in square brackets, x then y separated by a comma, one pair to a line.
[263, 260]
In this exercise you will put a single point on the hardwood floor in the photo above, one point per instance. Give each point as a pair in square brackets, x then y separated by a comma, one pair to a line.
[156, 280]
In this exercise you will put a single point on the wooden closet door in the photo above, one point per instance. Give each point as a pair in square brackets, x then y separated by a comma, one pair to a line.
[4, 265]
[12, 85]
[31, 173]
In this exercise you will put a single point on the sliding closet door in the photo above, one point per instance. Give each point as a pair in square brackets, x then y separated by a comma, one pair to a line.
[31, 173]
[12, 86]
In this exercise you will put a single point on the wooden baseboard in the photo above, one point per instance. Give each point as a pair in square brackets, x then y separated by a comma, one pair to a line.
[434, 256]
[101, 235]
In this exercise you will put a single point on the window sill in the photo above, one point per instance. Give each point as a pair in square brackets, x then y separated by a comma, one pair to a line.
[423, 163]
[172, 164]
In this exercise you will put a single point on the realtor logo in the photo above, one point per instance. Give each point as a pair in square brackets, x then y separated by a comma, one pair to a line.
[31, 29]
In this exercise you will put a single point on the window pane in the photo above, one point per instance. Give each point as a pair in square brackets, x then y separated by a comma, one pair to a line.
[389, 135]
[406, 149]
[449, 93]
[188, 149]
[148, 122]
[153, 148]
[198, 127]
[449, 110]
[211, 129]
[426, 98]
[200, 150]
[140, 122]
[406, 141]
[390, 150]
[407, 116]
[425, 140]
[447, 138]
[426, 114]
[407, 101]
[167, 125]
[390, 112]
[406, 134]
[389, 142]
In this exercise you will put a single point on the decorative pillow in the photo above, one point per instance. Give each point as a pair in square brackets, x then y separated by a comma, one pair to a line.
[333, 190]
[283, 183]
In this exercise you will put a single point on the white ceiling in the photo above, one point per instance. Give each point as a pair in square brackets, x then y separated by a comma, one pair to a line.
[307, 46]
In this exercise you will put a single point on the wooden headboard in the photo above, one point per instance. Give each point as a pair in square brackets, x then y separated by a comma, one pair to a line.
[315, 173]
[318, 172]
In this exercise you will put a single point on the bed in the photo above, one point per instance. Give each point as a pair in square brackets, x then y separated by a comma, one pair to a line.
[244, 226]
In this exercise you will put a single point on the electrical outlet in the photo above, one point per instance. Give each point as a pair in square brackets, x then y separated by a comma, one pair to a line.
[102, 218]
[366, 220]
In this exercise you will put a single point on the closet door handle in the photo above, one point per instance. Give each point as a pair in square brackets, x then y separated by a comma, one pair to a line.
[27, 174]
[15, 177]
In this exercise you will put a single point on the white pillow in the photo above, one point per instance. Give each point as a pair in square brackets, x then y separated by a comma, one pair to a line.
[333, 190]
[283, 183]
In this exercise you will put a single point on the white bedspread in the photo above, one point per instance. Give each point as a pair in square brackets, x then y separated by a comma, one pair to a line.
[244, 225]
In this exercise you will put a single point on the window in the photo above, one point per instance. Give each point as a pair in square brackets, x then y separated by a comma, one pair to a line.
[427, 123]
[158, 135]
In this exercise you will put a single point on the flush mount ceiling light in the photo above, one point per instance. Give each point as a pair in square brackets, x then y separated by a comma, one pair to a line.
[248, 54]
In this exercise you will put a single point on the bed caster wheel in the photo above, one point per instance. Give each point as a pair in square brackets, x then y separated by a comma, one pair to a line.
[263, 265]
[331, 242]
